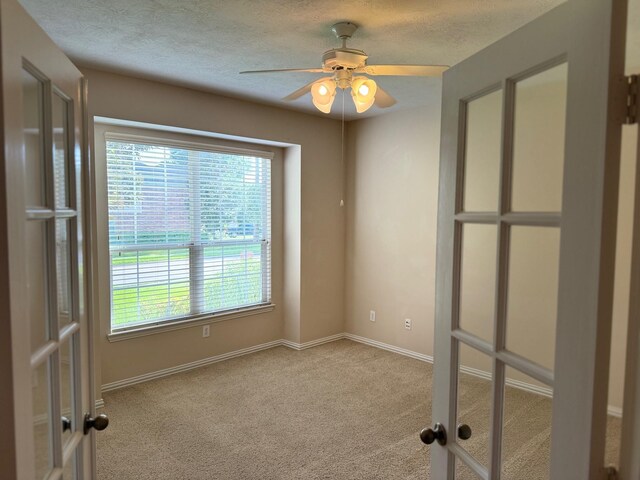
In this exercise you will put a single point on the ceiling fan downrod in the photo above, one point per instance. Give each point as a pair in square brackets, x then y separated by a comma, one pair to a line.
[344, 31]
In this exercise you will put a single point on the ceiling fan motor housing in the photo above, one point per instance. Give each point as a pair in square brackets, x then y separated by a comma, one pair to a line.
[343, 58]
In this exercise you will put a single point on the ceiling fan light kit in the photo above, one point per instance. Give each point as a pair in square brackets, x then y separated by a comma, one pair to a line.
[342, 63]
[323, 93]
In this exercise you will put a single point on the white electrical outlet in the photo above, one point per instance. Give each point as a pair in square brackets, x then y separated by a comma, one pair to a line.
[205, 331]
[407, 323]
[372, 315]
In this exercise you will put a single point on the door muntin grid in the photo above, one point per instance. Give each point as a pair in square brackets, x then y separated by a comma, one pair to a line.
[504, 219]
[55, 445]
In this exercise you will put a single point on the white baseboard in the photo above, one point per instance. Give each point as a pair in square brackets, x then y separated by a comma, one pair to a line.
[391, 348]
[312, 343]
[107, 387]
[614, 411]
[527, 387]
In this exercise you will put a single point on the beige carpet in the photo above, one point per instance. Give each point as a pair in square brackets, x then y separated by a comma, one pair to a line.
[338, 411]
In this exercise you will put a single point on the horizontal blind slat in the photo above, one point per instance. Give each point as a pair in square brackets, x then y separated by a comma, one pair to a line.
[189, 230]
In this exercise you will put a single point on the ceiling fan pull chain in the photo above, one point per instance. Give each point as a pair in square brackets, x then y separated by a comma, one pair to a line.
[342, 156]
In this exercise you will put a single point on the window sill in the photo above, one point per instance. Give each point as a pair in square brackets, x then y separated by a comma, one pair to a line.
[169, 326]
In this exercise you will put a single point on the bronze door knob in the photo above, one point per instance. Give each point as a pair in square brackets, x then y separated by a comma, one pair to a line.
[438, 433]
[464, 431]
[99, 422]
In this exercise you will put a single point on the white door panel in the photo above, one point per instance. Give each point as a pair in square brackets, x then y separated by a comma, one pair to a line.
[526, 238]
[45, 327]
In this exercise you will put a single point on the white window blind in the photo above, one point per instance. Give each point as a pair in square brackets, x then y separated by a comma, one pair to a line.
[189, 230]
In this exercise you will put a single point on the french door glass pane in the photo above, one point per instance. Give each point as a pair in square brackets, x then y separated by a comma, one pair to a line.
[70, 468]
[37, 287]
[42, 419]
[63, 271]
[60, 119]
[474, 400]
[538, 141]
[533, 293]
[32, 101]
[482, 153]
[67, 386]
[478, 279]
[463, 472]
[526, 430]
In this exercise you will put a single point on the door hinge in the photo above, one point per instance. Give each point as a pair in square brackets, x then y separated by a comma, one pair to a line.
[632, 100]
[612, 473]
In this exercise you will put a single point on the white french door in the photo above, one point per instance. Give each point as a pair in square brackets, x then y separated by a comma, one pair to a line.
[45, 269]
[526, 236]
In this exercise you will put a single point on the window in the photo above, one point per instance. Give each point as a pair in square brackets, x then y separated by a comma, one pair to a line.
[189, 230]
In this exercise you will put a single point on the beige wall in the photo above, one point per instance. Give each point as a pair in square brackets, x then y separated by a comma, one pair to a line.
[392, 195]
[320, 231]
[391, 236]
[391, 210]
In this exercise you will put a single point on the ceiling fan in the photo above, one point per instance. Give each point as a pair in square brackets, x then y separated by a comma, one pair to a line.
[347, 68]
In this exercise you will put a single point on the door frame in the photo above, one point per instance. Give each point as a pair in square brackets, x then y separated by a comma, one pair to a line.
[630, 442]
[91, 297]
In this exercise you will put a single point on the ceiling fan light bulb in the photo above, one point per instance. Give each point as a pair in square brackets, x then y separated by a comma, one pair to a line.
[367, 88]
[323, 93]
[363, 92]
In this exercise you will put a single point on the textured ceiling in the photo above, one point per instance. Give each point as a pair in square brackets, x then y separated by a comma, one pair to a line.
[204, 44]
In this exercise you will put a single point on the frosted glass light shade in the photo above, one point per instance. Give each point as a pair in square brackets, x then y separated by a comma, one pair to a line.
[323, 94]
[363, 92]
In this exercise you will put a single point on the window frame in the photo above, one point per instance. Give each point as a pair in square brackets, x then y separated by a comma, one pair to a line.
[195, 318]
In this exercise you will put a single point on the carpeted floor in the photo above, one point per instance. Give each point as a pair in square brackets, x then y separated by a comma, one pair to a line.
[342, 410]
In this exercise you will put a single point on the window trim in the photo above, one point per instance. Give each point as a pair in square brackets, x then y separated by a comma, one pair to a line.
[192, 320]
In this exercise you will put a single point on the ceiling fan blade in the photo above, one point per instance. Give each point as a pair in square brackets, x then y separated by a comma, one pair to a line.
[410, 70]
[301, 91]
[310, 70]
[383, 99]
